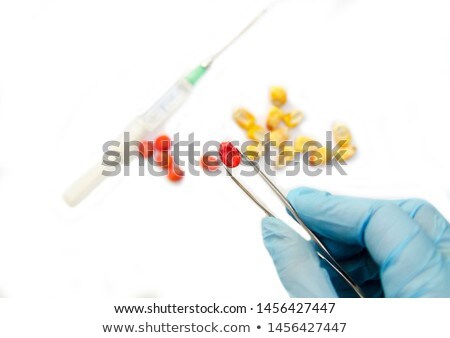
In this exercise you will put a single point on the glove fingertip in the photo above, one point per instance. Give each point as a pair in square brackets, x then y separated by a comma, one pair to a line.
[296, 261]
[272, 224]
[300, 191]
[305, 198]
[275, 233]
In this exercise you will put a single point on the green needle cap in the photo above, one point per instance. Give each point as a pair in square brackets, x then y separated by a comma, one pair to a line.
[195, 75]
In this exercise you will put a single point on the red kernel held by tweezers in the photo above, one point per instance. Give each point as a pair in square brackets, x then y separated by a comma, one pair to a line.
[229, 154]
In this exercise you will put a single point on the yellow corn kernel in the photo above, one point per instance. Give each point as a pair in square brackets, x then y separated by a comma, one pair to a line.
[286, 155]
[318, 156]
[274, 118]
[345, 153]
[256, 133]
[342, 134]
[292, 119]
[278, 96]
[253, 151]
[283, 160]
[278, 136]
[304, 143]
[244, 118]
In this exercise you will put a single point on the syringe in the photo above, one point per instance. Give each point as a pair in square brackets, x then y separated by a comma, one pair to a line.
[149, 121]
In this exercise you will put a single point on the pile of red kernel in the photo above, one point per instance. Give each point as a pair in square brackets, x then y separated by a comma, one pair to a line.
[159, 149]
[209, 162]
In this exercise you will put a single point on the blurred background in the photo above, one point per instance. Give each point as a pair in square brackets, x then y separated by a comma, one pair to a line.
[73, 74]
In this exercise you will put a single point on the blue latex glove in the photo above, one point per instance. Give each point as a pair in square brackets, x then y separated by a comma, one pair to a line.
[390, 248]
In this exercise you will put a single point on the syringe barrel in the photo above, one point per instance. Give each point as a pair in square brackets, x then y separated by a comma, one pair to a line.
[86, 183]
[137, 130]
[167, 104]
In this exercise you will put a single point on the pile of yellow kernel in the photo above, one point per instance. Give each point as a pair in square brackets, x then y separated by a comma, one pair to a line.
[344, 151]
[278, 125]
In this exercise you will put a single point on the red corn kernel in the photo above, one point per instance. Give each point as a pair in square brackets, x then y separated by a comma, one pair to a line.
[209, 163]
[229, 154]
[162, 143]
[164, 159]
[146, 148]
[175, 173]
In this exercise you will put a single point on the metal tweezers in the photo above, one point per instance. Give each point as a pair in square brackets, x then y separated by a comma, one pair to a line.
[322, 251]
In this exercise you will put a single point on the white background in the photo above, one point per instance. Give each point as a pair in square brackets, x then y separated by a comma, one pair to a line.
[74, 73]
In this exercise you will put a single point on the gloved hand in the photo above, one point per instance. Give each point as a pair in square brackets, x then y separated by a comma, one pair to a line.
[390, 248]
